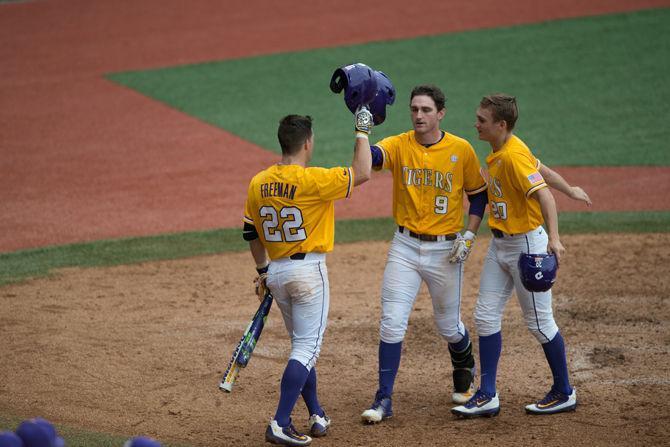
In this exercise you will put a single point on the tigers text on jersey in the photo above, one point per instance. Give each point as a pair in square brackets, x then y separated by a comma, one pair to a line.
[428, 182]
[292, 207]
[513, 177]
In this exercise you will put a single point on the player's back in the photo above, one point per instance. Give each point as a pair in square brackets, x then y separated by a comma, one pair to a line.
[292, 207]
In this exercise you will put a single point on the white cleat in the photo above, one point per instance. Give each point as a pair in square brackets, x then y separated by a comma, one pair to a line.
[318, 425]
[381, 409]
[554, 402]
[480, 405]
[276, 434]
[462, 398]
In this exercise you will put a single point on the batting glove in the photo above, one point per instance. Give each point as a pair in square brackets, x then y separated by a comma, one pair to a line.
[363, 121]
[260, 286]
[462, 247]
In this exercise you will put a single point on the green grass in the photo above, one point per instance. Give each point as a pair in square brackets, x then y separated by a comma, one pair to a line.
[39, 262]
[591, 91]
[22, 265]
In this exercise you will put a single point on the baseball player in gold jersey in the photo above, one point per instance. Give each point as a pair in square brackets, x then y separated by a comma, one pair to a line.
[289, 222]
[520, 203]
[432, 171]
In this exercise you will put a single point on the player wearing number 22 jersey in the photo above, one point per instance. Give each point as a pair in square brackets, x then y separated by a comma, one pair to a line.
[432, 171]
[289, 202]
[289, 221]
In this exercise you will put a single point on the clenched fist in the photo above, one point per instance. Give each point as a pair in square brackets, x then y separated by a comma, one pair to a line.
[363, 120]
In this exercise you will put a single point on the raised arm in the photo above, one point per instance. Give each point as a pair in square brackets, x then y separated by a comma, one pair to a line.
[556, 181]
[362, 162]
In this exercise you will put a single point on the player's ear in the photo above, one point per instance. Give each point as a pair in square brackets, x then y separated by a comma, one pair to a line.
[441, 113]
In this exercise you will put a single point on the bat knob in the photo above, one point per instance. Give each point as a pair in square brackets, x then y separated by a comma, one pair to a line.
[225, 386]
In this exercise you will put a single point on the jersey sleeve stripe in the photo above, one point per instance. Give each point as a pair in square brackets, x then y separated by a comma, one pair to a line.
[476, 190]
[351, 182]
[536, 188]
[385, 156]
[248, 220]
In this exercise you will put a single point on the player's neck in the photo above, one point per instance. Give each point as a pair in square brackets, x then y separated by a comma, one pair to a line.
[430, 138]
[293, 160]
[498, 143]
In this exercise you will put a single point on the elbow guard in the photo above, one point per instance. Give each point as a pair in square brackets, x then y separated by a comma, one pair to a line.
[249, 232]
[478, 203]
[377, 157]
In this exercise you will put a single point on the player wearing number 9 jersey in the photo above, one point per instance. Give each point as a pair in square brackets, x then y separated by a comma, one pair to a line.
[432, 171]
[289, 221]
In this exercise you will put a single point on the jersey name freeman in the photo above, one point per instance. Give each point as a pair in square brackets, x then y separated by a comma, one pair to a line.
[278, 189]
[427, 177]
[292, 207]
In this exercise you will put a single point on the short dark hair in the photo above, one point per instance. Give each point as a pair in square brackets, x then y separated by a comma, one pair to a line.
[293, 132]
[430, 90]
[503, 107]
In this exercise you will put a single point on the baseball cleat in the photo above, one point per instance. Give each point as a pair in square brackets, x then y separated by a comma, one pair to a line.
[285, 435]
[318, 425]
[464, 385]
[480, 405]
[381, 409]
[554, 402]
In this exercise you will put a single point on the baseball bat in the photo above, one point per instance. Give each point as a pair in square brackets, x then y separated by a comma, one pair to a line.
[247, 343]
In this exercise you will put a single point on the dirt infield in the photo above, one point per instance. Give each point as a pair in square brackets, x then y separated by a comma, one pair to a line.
[140, 349]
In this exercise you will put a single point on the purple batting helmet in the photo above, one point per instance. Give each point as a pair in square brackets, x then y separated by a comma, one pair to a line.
[385, 96]
[33, 435]
[537, 271]
[358, 82]
[142, 441]
[56, 441]
[10, 439]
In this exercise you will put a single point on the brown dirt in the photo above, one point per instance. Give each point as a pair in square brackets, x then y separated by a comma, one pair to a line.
[84, 159]
[140, 350]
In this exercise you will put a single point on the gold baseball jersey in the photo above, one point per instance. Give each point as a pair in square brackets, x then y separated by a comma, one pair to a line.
[429, 182]
[292, 207]
[513, 176]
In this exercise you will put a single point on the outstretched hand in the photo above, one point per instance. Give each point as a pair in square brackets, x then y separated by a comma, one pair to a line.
[578, 193]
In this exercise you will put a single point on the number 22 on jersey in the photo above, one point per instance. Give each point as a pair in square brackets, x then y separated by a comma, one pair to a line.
[284, 225]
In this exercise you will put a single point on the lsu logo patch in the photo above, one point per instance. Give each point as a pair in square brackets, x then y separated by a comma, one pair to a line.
[535, 177]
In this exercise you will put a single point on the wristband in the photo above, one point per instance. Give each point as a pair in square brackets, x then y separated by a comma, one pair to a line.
[262, 270]
[360, 134]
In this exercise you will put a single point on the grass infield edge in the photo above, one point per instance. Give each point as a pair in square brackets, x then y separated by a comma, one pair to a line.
[22, 265]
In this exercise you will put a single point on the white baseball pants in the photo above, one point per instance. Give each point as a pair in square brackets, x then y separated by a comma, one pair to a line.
[301, 290]
[500, 276]
[409, 262]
